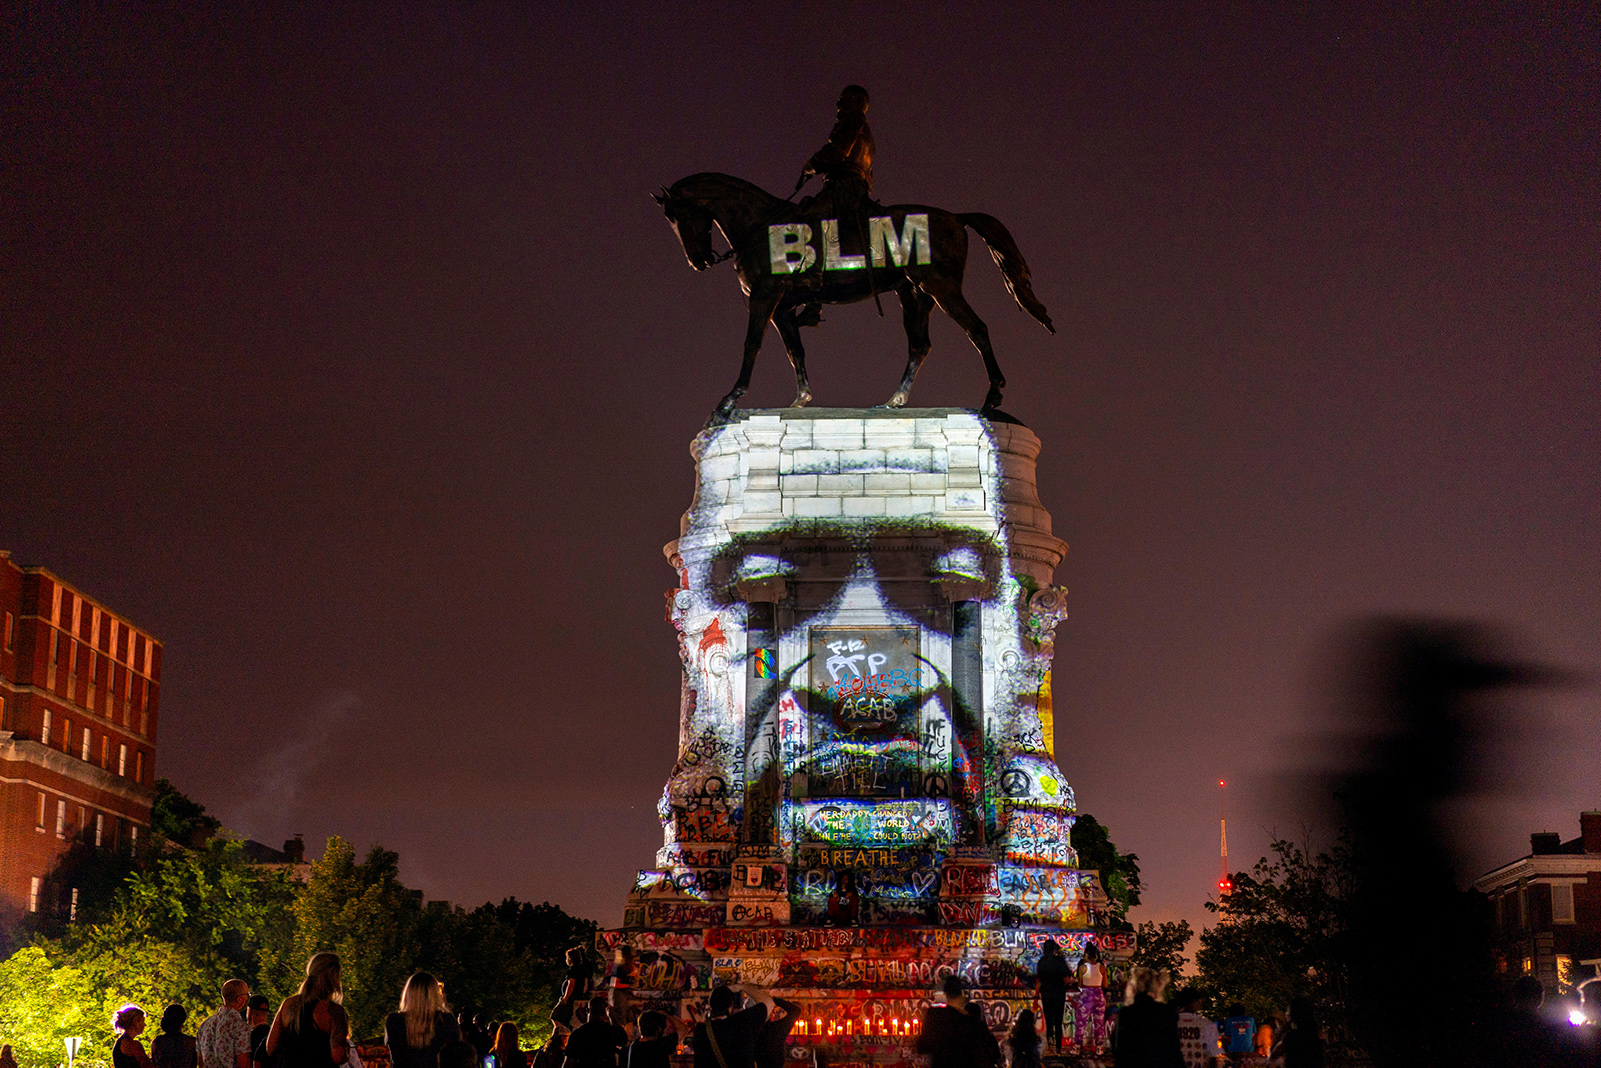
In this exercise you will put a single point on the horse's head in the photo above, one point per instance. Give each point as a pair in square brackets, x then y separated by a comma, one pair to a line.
[693, 223]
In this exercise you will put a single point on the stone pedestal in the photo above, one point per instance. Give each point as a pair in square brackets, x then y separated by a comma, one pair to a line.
[865, 796]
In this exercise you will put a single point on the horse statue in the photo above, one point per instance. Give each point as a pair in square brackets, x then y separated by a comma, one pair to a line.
[788, 258]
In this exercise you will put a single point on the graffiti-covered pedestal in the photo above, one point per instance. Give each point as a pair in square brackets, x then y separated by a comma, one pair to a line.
[865, 796]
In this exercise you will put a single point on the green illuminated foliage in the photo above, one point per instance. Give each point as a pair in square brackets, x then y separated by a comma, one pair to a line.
[183, 925]
[363, 913]
[173, 923]
[41, 1004]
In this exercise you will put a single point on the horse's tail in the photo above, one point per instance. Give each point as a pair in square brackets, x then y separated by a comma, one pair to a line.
[1007, 256]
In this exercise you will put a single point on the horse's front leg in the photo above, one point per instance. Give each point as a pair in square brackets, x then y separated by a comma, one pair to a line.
[761, 313]
[788, 323]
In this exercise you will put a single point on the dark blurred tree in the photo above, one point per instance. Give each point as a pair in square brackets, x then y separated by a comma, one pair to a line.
[1162, 946]
[1120, 872]
[1281, 934]
[505, 960]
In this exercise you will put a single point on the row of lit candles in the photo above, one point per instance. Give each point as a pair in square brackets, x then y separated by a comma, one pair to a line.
[894, 1027]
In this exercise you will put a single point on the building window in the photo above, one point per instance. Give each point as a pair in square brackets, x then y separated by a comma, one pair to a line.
[1528, 965]
[100, 828]
[61, 817]
[72, 910]
[122, 761]
[139, 765]
[86, 733]
[3, 723]
[41, 809]
[44, 736]
[133, 835]
[1523, 912]
[66, 735]
[1561, 902]
[9, 622]
[105, 751]
[33, 894]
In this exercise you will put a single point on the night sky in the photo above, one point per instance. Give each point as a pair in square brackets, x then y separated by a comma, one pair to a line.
[348, 354]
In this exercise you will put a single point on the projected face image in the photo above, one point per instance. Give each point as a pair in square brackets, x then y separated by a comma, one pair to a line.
[859, 690]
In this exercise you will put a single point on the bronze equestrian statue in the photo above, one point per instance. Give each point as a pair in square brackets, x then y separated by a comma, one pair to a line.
[838, 248]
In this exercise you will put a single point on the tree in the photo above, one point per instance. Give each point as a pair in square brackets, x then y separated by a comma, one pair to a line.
[181, 819]
[362, 912]
[175, 921]
[1281, 933]
[1162, 946]
[1120, 872]
[180, 927]
[41, 1004]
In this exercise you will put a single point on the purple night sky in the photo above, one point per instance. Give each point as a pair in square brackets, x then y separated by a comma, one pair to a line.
[348, 353]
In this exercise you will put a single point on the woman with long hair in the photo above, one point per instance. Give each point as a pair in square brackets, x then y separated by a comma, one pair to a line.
[422, 1027]
[172, 1048]
[311, 1029]
[506, 1050]
[126, 1050]
[575, 988]
[1024, 1041]
[1089, 1008]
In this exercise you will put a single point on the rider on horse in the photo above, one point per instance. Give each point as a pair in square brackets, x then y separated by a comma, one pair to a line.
[846, 164]
[846, 161]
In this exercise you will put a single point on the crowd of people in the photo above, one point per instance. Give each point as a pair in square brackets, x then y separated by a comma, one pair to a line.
[311, 1030]
[745, 1026]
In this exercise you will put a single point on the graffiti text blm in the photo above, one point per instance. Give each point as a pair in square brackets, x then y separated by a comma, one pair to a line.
[791, 249]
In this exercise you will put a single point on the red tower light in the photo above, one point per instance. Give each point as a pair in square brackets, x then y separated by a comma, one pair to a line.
[1224, 884]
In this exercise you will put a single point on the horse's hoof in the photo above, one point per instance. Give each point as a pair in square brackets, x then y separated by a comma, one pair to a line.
[723, 414]
[992, 400]
[898, 400]
[801, 400]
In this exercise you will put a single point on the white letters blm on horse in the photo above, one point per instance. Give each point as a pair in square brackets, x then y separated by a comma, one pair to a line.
[787, 260]
[790, 250]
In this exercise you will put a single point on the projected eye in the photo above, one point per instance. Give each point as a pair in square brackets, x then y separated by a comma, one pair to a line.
[756, 567]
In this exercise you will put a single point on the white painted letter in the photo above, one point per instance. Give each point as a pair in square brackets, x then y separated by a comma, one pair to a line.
[790, 239]
[832, 260]
[911, 245]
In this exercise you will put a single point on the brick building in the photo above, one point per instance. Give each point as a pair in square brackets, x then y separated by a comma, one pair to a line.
[79, 689]
[1548, 907]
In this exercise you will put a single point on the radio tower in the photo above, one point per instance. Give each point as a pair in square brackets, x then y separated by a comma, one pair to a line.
[1224, 885]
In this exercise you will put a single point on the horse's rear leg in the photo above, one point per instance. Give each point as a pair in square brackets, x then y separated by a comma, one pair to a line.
[949, 297]
[788, 323]
[915, 309]
[761, 313]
